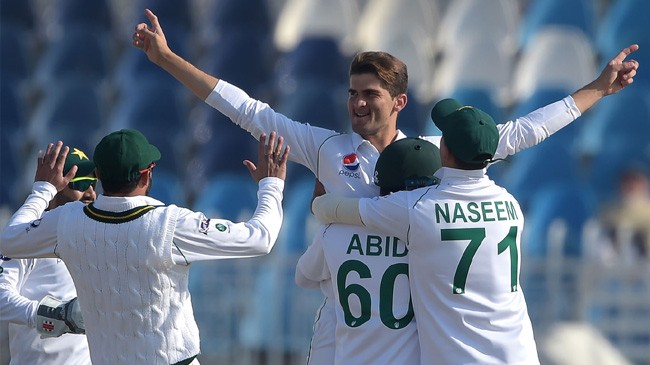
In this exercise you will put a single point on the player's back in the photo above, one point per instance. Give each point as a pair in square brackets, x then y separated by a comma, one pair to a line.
[464, 260]
[375, 323]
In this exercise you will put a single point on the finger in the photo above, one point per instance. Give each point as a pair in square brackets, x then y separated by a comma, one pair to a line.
[251, 167]
[70, 175]
[278, 148]
[625, 52]
[41, 155]
[153, 19]
[60, 160]
[270, 144]
[285, 156]
[53, 154]
[261, 146]
[630, 74]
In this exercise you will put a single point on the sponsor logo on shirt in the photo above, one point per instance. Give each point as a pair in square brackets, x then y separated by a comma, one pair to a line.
[204, 225]
[350, 166]
[220, 227]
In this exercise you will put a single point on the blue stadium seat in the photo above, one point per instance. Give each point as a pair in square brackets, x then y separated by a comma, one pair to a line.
[314, 59]
[242, 58]
[623, 24]
[77, 13]
[73, 112]
[218, 145]
[580, 14]
[234, 15]
[617, 133]
[168, 188]
[316, 104]
[18, 12]
[275, 288]
[64, 57]
[557, 57]
[12, 42]
[172, 13]
[133, 66]
[158, 110]
[228, 196]
[571, 203]
[10, 172]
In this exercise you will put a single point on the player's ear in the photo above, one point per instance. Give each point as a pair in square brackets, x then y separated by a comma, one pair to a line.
[400, 102]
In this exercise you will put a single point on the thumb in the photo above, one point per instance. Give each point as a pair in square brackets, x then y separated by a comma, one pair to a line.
[251, 167]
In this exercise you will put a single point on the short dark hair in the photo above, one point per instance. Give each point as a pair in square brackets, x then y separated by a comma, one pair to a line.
[390, 70]
[121, 187]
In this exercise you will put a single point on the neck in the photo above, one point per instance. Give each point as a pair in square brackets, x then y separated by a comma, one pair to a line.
[381, 140]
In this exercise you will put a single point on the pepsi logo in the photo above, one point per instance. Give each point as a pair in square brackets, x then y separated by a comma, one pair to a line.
[351, 162]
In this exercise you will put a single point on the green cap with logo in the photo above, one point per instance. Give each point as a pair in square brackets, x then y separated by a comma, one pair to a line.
[79, 158]
[407, 163]
[469, 133]
[121, 155]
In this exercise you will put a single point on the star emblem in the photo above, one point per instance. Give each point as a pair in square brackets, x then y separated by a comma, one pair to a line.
[80, 153]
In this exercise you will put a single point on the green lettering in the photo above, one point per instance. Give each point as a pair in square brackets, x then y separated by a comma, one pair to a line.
[512, 213]
[373, 245]
[355, 245]
[396, 245]
[487, 209]
[473, 209]
[500, 209]
[458, 213]
[443, 213]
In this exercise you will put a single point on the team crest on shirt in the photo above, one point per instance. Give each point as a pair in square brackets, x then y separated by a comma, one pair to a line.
[220, 227]
[204, 225]
[350, 166]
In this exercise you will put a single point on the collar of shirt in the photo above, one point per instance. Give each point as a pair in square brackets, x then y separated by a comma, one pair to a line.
[359, 141]
[448, 173]
[123, 203]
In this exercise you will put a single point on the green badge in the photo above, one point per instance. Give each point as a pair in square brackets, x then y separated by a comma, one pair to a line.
[220, 227]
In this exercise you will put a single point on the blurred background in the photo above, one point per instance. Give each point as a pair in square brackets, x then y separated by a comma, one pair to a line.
[68, 72]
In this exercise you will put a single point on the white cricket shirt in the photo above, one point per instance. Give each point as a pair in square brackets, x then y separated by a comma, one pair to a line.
[344, 162]
[464, 263]
[374, 314]
[188, 237]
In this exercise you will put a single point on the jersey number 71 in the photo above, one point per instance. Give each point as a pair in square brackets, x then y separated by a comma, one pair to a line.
[476, 236]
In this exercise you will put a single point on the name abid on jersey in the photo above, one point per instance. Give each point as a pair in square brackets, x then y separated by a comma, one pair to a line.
[485, 211]
[374, 245]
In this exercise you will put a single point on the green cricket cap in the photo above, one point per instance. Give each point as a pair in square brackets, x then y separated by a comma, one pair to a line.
[408, 162]
[469, 133]
[121, 155]
[79, 158]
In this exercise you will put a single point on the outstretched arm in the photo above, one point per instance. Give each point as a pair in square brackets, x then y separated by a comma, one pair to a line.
[616, 76]
[151, 39]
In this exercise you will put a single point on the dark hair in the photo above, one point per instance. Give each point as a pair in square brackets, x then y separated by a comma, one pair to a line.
[120, 187]
[392, 72]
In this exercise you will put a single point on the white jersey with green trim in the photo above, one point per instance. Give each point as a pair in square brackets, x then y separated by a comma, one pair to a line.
[464, 240]
[374, 315]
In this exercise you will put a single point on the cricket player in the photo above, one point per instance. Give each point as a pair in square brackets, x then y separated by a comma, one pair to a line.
[129, 255]
[464, 241]
[344, 162]
[375, 324]
[24, 283]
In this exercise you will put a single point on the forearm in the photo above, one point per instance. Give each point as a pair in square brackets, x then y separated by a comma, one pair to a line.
[333, 209]
[35, 204]
[535, 127]
[587, 96]
[197, 81]
[14, 307]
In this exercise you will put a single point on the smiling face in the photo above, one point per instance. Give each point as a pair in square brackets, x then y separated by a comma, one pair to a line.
[372, 110]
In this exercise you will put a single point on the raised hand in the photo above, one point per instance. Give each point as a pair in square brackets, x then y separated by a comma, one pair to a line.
[272, 160]
[50, 166]
[151, 38]
[618, 73]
